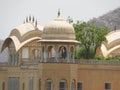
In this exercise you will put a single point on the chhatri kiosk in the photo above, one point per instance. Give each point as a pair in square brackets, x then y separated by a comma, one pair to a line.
[58, 41]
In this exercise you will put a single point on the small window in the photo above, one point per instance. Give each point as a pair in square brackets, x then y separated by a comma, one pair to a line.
[30, 83]
[13, 83]
[3, 86]
[23, 86]
[25, 53]
[48, 85]
[79, 86]
[73, 85]
[62, 52]
[39, 84]
[62, 85]
[107, 86]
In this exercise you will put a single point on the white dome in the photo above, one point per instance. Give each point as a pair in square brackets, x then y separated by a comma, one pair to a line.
[58, 29]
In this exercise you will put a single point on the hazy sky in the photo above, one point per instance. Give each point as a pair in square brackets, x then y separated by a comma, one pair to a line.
[13, 12]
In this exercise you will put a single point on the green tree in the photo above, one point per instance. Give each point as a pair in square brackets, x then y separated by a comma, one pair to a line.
[69, 20]
[90, 37]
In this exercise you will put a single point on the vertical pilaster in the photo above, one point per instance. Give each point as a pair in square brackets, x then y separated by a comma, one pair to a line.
[43, 86]
[57, 56]
[56, 84]
[68, 85]
[68, 54]
[36, 84]
[72, 56]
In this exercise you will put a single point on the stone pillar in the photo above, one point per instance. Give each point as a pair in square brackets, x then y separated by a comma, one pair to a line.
[41, 59]
[56, 53]
[68, 85]
[57, 56]
[68, 54]
[45, 56]
[56, 84]
[27, 84]
[68, 57]
[73, 58]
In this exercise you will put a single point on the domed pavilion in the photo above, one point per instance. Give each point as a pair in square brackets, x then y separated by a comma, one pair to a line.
[23, 44]
[58, 40]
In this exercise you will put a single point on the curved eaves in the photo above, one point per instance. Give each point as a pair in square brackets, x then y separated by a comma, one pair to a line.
[27, 41]
[113, 36]
[24, 28]
[16, 42]
[113, 44]
[112, 49]
[5, 44]
[104, 50]
[15, 32]
[8, 40]
[31, 34]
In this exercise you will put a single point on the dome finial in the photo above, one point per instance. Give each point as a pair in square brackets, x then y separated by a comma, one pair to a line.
[33, 19]
[36, 23]
[29, 18]
[58, 12]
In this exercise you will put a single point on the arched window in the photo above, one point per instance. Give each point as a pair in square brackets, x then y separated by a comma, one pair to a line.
[62, 52]
[23, 86]
[31, 83]
[48, 85]
[51, 53]
[63, 85]
[25, 53]
[39, 84]
[43, 53]
[36, 54]
[73, 85]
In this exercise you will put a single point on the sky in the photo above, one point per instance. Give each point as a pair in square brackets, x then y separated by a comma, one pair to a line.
[14, 12]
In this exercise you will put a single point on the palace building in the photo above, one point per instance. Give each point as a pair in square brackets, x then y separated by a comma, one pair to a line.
[42, 58]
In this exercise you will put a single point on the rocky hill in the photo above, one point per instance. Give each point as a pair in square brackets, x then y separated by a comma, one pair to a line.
[110, 19]
[4, 54]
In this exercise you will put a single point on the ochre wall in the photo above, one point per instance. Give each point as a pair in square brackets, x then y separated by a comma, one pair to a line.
[22, 74]
[93, 77]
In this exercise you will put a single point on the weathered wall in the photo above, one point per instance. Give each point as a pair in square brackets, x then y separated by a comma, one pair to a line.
[94, 77]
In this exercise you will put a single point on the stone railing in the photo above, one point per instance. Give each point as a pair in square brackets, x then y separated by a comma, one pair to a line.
[104, 62]
[96, 62]
[107, 62]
